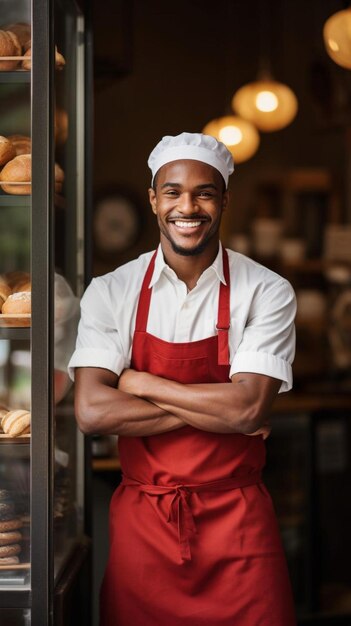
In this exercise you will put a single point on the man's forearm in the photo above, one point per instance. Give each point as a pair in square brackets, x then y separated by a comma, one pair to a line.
[240, 406]
[103, 409]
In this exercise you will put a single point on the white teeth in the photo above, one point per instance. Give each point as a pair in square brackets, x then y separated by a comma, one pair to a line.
[187, 224]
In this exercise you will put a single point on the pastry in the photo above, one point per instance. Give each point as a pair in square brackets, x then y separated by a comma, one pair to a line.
[7, 150]
[5, 292]
[14, 423]
[11, 550]
[18, 170]
[9, 47]
[11, 536]
[9, 560]
[16, 277]
[17, 303]
[11, 524]
[59, 59]
[21, 30]
[21, 143]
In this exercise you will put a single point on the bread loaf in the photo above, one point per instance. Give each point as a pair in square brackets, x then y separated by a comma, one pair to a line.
[18, 170]
[14, 423]
[17, 303]
[7, 150]
[9, 47]
[22, 30]
[21, 143]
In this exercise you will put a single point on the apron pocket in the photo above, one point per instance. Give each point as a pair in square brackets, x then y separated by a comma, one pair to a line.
[180, 369]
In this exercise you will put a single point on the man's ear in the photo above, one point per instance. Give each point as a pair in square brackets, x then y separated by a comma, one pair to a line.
[225, 200]
[152, 199]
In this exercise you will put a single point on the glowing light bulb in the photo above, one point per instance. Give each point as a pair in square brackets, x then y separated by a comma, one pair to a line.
[230, 135]
[266, 101]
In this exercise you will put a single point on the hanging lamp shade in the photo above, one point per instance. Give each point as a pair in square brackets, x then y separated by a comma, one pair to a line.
[240, 137]
[269, 105]
[337, 37]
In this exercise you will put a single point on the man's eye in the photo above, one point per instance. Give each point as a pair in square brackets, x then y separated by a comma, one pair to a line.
[205, 194]
[171, 192]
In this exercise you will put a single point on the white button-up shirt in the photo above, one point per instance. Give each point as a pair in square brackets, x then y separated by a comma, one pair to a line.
[262, 310]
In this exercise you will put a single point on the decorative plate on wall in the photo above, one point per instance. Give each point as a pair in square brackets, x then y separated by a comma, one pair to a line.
[116, 224]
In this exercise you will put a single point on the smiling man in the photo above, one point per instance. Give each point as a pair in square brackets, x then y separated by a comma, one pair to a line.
[181, 353]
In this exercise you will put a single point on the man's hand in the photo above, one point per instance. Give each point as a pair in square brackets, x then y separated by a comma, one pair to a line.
[215, 407]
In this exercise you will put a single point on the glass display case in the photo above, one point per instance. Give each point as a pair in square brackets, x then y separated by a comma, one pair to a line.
[43, 195]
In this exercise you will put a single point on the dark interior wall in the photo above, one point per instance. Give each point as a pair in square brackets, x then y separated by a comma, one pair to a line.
[180, 63]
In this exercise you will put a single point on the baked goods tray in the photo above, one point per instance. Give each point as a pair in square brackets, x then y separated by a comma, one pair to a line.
[20, 439]
[15, 320]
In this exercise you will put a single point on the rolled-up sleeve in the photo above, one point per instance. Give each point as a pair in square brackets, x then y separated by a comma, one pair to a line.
[98, 343]
[268, 341]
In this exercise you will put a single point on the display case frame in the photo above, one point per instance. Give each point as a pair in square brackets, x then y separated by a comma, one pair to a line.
[40, 598]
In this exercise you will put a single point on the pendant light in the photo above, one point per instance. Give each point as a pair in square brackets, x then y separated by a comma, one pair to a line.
[240, 137]
[269, 105]
[337, 37]
[265, 102]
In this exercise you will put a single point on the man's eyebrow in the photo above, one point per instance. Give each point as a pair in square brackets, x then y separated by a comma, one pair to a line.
[207, 186]
[203, 186]
[170, 185]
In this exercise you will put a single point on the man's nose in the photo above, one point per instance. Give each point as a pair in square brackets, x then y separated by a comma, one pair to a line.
[188, 204]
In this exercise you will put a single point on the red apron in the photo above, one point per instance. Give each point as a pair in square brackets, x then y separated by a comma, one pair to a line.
[193, 535]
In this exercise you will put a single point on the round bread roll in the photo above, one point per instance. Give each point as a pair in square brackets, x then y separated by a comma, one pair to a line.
[11, 550]
[5, 292]
[11, 524]
[9, 47]
[15, 422]
[16, 277]
[19, 303]
[21, 143]
[11, 536]
[18, 170]
[9, 560]
[7, 150]
[22, 30]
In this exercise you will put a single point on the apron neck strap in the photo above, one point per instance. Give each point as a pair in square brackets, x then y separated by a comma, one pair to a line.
[145, 298]
[223, 320]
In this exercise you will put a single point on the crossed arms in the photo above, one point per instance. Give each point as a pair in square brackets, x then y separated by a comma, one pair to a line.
[141, 404]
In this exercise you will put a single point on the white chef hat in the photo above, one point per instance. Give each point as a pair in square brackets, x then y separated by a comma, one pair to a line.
[195, 146]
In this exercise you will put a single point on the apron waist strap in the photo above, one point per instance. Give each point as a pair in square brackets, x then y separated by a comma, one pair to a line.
[180, 512]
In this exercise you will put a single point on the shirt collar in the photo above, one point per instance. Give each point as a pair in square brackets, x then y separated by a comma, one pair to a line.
[161, 266]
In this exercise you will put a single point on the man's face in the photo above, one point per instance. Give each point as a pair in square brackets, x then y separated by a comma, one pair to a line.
[188, 201]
